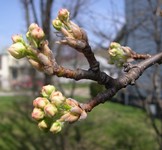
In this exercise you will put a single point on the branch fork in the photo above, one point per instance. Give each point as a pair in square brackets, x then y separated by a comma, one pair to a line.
[41, 58]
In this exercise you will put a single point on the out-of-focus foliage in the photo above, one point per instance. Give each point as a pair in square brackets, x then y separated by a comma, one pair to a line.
[121, 128]
[95, 89]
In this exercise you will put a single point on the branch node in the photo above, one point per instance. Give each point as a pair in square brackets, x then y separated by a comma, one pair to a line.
[128, 66]
[133, 82]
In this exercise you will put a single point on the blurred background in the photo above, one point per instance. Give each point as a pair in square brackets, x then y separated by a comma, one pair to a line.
[132, 120]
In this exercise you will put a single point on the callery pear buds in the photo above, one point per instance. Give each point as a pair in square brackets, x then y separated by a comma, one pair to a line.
[47, 90]
[37, 33]
[53, 110]
[118, 55]
[17, 50]
[33, 26]
[56, 127]
[43, 125]
[74, 35]
[40, 102]
[17, 38]
[57, 24]
[63, 15]
[50, 110]
[57, 98]
[37, 114]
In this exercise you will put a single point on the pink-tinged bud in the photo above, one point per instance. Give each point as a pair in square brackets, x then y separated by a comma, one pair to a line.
[56, 127]
[17, 38]
[37, 114]
[43, 125]
[57, 98]
[76, 110]
[33, 26]
[71, 102]
[69, 117]
[57, 24]
[65, 116]
[63, 15]
[37, 33]
[47, 90]
[50, 110]
[72, 118]
[40, 102]
[17, 50]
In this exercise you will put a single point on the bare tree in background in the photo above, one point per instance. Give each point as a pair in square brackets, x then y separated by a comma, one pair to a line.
[111, 21]
[143, 32]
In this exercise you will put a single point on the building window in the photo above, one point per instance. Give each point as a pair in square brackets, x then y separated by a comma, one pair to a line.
[14, 73]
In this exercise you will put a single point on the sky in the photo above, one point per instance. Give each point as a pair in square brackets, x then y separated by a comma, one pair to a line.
[11, 21]
[12, 18]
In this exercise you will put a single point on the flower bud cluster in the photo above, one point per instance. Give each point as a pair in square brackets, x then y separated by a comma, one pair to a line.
[52, 110]
[117, 55]
[20, 49]
[35, 35]
[42, 60]
[36, 50]
[75, 36]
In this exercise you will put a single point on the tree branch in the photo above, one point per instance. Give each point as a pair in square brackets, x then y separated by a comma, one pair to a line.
[123, 81]
[93, 63]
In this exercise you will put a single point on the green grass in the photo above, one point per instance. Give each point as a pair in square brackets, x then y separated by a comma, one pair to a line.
[79, 85]
[119, 127]
[108, 127]
[8, 101]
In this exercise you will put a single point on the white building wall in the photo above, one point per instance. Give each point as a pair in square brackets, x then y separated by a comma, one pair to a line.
[22, 67]
[4, 72]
